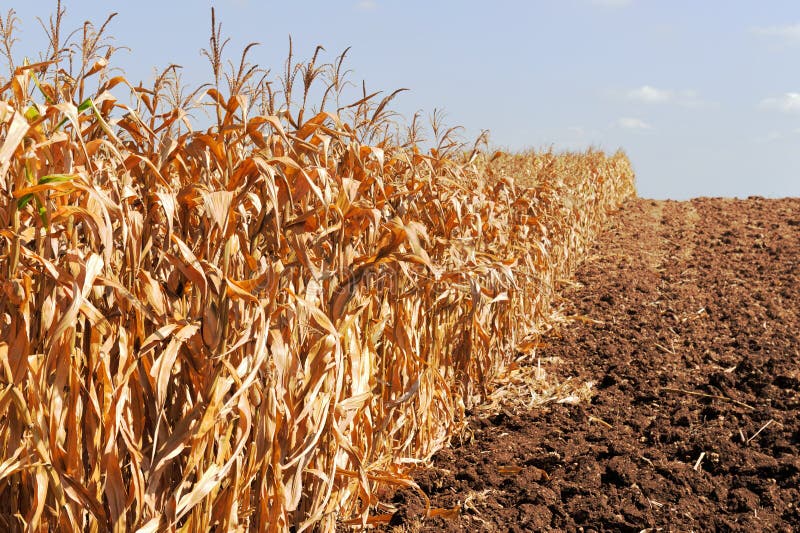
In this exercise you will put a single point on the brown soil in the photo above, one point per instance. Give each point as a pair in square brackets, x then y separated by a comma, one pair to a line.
[695, 356]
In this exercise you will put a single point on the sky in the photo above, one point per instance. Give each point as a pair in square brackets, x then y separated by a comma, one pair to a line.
[703, 96]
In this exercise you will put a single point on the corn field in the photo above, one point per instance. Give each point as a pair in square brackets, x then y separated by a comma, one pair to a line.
[264, 324]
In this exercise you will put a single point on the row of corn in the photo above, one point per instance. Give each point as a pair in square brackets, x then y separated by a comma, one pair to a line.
[262, 324]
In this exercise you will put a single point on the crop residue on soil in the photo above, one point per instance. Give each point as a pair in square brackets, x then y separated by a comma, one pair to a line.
[694, 424]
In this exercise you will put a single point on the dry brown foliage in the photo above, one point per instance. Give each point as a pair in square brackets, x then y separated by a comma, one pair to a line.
[261, 324]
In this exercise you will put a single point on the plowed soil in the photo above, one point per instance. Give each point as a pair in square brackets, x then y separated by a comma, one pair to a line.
[694, 348]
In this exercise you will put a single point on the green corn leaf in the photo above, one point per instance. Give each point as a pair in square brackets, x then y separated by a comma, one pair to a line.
[86, 104]
[50, 178]
[32, 113]
[25, 200]
[55, 178]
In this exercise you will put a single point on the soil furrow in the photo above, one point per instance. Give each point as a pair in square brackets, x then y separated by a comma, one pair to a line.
[694, 424]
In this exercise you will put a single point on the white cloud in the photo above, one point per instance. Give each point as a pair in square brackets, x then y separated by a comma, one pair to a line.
[790, 34]
[632, 123]
[786, 103]
[611, 3]
[367, 5]
[651, 95]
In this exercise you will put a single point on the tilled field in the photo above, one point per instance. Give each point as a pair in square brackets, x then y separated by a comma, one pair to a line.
[694, 348]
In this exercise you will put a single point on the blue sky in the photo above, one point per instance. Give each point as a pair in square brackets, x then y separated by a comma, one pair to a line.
[704, 96]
